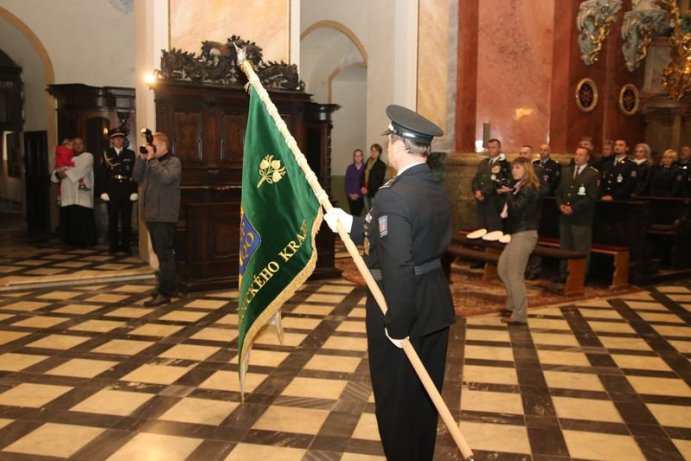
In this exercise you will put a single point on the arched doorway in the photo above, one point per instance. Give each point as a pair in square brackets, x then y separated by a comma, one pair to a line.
[334, 67]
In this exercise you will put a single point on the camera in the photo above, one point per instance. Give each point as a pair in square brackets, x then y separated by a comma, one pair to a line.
[504, 182]
[149, 141]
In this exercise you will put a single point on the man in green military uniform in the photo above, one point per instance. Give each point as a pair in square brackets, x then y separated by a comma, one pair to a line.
[576, 196]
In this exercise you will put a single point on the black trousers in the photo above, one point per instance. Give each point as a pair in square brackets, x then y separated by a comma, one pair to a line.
[163, 242]
[488, 213]
[119, 215]
[406, 416]
[77, 226]
[356, 206]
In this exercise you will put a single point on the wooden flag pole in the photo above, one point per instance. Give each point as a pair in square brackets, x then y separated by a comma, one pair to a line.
[323, 198]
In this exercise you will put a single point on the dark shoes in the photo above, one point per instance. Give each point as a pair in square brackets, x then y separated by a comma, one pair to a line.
[559, 279]
[115, 250]
[532, 276]
[158, 300]
[477, 265]
[505, 312]
[512, 323]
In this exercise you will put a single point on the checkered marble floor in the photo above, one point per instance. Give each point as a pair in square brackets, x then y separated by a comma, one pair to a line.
[88, 373]
[46, 261]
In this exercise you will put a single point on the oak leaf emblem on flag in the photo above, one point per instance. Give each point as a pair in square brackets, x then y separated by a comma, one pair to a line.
[270, 170]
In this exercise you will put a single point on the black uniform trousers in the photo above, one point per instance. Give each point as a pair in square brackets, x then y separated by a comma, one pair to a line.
[488, 212]
[120, 213]
[407, 422]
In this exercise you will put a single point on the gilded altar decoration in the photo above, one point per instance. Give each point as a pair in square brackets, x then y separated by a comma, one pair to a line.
[217, 64]
[676, 77]
[586, 95]
[645, 18]
[629, 99]
[594, 20]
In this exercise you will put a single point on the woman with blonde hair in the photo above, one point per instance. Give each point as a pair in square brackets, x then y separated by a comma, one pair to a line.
[521, 214]
[641, 157]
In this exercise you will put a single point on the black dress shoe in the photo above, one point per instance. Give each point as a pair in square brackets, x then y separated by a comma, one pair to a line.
[532, 276]
[513, 323]
[505, 313]
[154, 292]
[112, 251]
[159, 300]
[559, 279]
[477, 265]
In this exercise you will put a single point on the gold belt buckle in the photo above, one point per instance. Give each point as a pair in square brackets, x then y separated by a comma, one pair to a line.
[366, 246]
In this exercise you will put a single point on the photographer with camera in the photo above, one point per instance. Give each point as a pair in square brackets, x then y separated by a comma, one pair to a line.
[118, 191]
[159, 172]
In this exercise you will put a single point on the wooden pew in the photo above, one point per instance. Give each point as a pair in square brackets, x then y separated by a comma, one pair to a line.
[464, 248]
[670, 228]
[621, 257]
[619, 230]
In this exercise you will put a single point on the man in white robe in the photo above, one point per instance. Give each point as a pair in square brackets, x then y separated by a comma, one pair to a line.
[77, 226]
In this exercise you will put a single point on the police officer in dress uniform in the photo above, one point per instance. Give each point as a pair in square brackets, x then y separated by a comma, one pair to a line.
[550, 169]
[118, 191]
[576, 196]
[684, 165]
[619, 180]
[406, 232]
[492, 172]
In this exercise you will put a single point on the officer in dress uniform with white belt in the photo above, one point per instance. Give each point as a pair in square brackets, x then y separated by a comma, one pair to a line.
[406, 232]
[118, 191]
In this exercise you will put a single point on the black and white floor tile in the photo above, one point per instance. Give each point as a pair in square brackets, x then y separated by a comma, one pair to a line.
[88, 373]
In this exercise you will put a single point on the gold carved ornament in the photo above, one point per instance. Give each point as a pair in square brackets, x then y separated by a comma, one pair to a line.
[594, 21]
[676, 77]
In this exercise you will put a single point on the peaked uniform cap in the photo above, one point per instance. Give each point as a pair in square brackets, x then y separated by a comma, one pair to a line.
[113, 132]
[411, 125]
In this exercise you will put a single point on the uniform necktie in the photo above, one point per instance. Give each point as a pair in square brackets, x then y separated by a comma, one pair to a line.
[576, 172]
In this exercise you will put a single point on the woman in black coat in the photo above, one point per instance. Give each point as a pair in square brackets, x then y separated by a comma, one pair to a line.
[521, 214]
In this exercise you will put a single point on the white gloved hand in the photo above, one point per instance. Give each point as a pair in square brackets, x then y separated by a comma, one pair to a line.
[335, 215]
[396, 342]
[134, 197]
[105, 197]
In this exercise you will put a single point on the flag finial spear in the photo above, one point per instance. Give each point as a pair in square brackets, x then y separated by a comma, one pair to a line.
[242, 56]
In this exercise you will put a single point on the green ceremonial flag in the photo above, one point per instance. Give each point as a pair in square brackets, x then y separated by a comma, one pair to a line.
[280, 217]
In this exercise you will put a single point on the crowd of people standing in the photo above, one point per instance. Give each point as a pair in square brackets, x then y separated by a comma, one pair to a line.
[504, 206]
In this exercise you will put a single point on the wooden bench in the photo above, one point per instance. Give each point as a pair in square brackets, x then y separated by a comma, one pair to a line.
[575, 282]
[619, 230]
[621, 258]
[670, 229]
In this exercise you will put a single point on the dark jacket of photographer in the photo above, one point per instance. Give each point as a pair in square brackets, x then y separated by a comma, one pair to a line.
[161, 179]
[523, 208]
